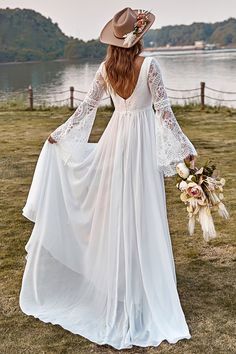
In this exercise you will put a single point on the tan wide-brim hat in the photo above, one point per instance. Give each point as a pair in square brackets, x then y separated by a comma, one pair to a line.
[122, 23]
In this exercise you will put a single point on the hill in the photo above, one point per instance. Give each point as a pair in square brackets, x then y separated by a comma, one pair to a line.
[26, 35]
[221, 33]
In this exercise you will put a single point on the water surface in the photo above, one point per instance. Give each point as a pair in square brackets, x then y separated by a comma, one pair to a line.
[181, 70]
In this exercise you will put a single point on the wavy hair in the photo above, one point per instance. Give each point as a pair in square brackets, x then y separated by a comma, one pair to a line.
[120, 69]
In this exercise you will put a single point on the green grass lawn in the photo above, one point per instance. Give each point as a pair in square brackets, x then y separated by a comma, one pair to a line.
[205, 272]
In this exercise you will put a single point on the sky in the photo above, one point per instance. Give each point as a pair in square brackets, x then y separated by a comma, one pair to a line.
[85, 19]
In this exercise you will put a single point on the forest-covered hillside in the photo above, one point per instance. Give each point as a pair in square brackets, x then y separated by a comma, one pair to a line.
[27, 35]
[221, 33]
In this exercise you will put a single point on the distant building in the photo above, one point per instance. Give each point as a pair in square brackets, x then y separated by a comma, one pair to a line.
[210, 46]
[151, 44]
[199, 44]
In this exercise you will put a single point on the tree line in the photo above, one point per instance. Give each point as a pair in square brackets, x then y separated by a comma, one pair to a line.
[26, 35]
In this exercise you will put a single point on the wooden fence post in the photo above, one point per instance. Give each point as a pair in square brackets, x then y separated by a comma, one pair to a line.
[31, 98]
[72, 97]
[203, 84]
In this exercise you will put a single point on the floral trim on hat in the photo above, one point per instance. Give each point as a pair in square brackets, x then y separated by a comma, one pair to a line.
[140, 24]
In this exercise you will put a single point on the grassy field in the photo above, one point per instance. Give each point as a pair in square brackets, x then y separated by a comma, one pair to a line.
[205, 272]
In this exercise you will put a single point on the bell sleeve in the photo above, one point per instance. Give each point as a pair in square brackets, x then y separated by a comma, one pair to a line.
[172, 145]
[72, 142]
[79, 125]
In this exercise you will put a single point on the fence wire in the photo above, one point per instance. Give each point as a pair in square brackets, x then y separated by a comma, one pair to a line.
[220, 99]
[225, 92]
[37, 99]
[182, 90]
[184, 98]
[80, 91]
[60, 92]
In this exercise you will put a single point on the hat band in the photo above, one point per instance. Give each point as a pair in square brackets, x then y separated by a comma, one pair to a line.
[119, 37]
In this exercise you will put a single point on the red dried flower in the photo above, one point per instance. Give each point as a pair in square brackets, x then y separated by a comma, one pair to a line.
[140, 23]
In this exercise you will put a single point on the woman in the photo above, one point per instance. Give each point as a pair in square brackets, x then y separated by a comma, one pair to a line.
[99, 260]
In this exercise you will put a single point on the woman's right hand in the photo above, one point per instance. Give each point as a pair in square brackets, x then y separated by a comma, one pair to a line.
[51, 140]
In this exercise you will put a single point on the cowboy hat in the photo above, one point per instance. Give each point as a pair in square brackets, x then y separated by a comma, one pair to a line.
[126, 27]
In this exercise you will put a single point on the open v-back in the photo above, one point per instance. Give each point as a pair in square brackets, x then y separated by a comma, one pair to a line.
[137, 81]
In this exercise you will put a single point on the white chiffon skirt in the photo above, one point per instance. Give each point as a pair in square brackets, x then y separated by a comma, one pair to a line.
[99, 259]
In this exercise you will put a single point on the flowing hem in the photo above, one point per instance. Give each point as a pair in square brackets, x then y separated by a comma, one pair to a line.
[29, 214]
[104, 342]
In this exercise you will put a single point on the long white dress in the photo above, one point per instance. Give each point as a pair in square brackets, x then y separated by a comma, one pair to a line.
[99, 259]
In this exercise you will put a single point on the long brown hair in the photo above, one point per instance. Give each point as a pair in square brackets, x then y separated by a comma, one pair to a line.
[120, 69]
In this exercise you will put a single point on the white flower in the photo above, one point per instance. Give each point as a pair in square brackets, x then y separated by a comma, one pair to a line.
[182, 170]
[182, 185]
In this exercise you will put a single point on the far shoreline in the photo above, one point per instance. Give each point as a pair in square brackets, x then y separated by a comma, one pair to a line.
[82, 60]
[150, 51]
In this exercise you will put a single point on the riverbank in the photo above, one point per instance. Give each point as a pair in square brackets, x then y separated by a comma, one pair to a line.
[146, 51]
[60, 60]
[205, 272]
[188, 48]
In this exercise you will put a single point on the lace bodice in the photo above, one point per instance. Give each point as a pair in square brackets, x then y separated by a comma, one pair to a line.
[172, 145]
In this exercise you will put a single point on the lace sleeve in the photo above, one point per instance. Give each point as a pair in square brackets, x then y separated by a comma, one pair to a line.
[171, 143]
[84, 115]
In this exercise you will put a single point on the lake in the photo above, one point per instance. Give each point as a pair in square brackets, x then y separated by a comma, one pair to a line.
[181, 71]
